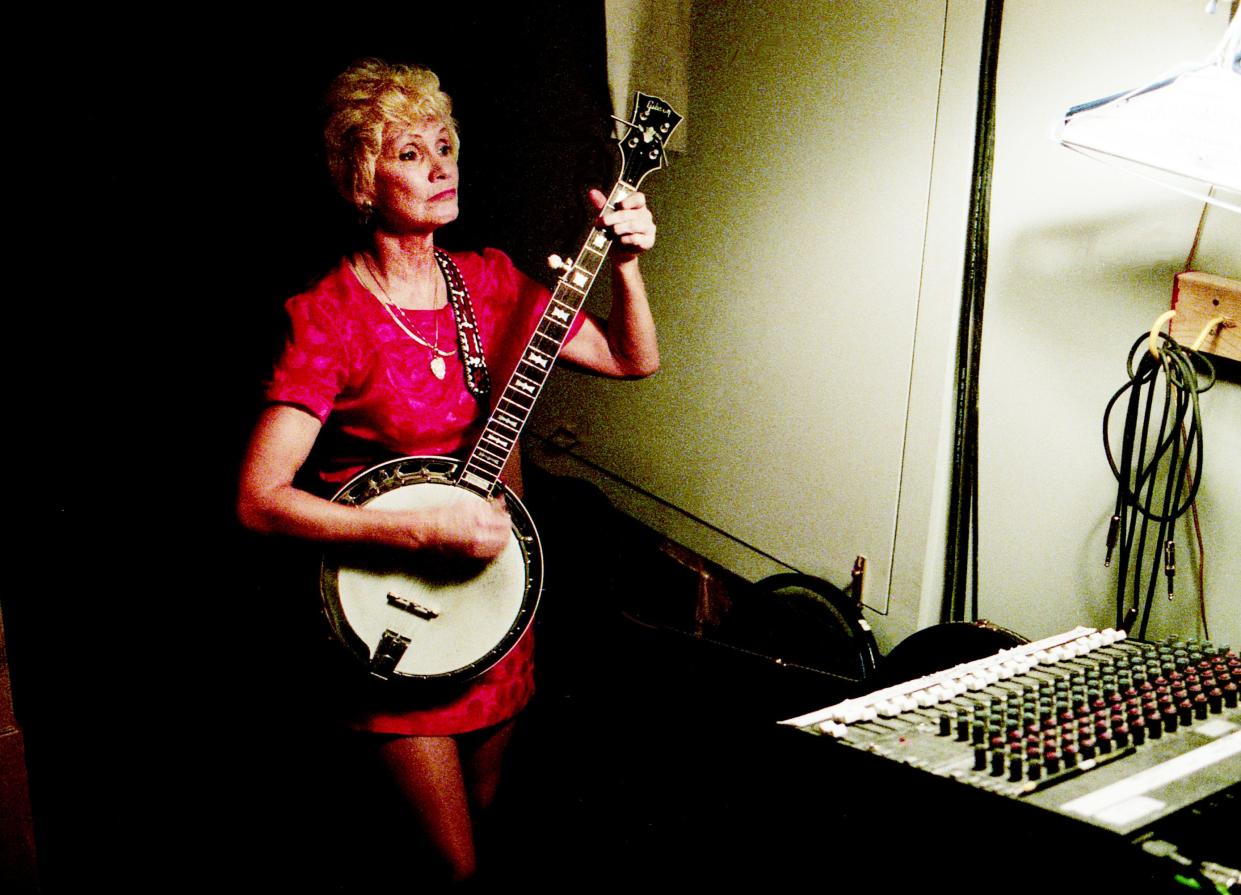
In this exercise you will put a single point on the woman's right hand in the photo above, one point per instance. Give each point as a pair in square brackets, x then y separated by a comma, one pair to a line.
[473, 529]
[269, 503]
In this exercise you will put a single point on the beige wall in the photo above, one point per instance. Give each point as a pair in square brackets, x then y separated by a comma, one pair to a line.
[1082, 260]
[819, 218]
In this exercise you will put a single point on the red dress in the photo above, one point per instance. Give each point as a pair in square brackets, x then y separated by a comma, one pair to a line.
[348, 363]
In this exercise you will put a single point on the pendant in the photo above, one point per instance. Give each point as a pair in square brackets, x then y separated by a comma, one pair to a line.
[438, 367]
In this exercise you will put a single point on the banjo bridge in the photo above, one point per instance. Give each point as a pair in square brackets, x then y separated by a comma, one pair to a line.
[412, 607]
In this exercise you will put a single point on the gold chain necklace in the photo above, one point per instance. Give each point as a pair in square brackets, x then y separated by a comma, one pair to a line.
[438, 367]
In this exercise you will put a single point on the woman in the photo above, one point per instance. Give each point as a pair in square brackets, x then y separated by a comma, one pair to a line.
[373, 369]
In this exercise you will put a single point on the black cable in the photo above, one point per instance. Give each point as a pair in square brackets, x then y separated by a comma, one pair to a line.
[961, 554]
[1150, 476]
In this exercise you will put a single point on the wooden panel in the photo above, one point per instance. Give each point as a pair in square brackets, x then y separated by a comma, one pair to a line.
[1200, 298]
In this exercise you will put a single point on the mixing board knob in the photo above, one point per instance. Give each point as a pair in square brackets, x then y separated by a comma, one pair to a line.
[1154, 725]
[997, 764]
[1200, 707]
[980, 758]
[1169, 719]
[1051, 760]
[1014, 769]
[945, 725]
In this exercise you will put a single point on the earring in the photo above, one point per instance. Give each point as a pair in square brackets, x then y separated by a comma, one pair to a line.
[365, 211]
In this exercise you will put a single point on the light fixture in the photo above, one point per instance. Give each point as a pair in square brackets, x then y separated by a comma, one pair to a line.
[1182, 131]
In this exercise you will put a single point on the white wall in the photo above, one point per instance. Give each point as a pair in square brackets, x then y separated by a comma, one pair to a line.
[1082, 261]
[791, 285]
[768, 202]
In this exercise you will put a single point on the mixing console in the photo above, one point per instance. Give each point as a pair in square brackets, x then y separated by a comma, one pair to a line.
[1088, 724]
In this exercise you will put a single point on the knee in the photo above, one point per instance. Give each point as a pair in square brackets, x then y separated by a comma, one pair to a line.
[462, 867]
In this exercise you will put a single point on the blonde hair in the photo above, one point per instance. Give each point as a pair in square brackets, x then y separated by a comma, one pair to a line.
[362, 101]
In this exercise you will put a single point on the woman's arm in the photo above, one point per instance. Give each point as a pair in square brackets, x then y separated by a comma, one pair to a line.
[269, 503]
[625, 346]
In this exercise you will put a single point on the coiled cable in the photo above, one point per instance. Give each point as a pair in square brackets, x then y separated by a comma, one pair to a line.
[1151, 475]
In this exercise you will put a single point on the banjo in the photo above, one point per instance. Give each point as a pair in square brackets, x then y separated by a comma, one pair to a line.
[419, 617]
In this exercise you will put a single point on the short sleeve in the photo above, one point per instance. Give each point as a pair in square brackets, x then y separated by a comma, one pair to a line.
[313, 368]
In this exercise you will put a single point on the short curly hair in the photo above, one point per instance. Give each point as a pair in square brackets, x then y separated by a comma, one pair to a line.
[362, 101]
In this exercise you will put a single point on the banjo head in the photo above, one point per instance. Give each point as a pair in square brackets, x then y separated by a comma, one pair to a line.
[445, 619]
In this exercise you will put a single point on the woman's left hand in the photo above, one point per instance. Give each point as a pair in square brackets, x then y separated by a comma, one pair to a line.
[632, 226]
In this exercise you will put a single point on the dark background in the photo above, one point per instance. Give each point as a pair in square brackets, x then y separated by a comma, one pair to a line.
[174, 192]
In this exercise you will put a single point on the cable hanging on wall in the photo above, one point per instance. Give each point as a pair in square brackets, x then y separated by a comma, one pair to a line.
[961, 555]
[1158, 467]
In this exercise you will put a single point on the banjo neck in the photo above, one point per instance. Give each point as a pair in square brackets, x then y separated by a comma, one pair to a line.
[642, 151]
[481, 472]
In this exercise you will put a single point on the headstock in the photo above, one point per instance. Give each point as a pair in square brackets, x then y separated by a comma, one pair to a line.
[646, 135]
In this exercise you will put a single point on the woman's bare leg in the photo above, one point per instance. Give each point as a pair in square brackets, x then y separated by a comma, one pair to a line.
[442, 780]
[483, 760]
[427, 771]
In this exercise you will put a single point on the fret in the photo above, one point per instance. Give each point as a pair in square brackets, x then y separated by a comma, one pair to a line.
[560, 311]
[551, 349]
[497, 436]
[493, 438]
[508, 422]
[514, 408]
[530, 371]
[486, 462]
[524, 384]
[590, 260]
[564, 284]
[538, 358]
[481, 484]
[515, 396]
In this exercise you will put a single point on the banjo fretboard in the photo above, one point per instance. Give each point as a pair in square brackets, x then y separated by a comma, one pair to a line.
[481, 472]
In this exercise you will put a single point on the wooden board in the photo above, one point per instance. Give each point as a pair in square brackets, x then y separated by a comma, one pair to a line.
[1198, 299]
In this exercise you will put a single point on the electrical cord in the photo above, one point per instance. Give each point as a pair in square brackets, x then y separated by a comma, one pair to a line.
[1151, 475]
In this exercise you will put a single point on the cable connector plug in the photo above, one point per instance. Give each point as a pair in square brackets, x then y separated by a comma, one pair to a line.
[1113, 531]
[1169, 563]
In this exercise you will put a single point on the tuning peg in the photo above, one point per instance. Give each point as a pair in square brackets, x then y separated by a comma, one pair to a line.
[555, 262]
